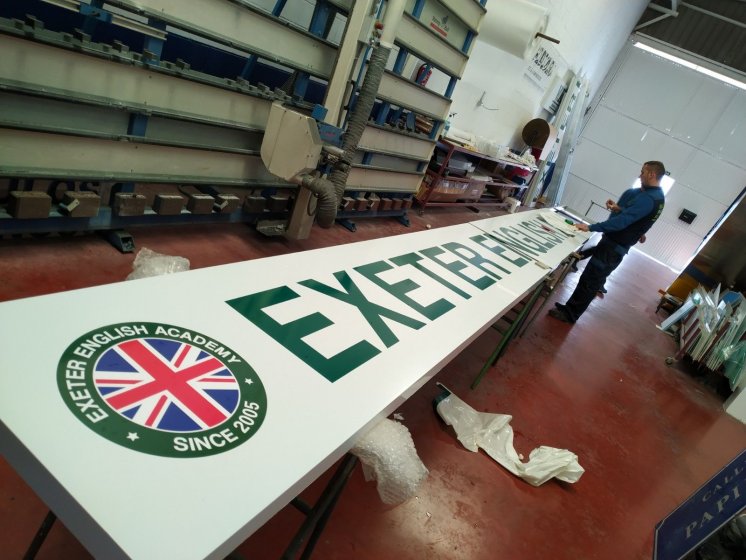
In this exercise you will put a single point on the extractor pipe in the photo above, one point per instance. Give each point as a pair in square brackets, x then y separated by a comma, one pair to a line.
[367, 96]
[327, 206]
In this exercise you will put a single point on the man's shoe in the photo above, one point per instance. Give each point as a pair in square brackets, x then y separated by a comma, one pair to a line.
[560, 316]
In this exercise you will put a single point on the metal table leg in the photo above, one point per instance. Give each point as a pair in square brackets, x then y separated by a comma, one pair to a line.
[318, 515]
[40, 536]
[508, 336]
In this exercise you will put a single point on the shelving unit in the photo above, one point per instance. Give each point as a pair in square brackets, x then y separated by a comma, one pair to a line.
[173, 93]
[458, 176]
[409, 113]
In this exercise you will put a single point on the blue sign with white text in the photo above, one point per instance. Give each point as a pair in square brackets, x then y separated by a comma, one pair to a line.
[703, 513]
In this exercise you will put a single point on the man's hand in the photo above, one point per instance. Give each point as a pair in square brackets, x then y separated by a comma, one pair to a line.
[581, 226]
[612, 206]
[643, 238]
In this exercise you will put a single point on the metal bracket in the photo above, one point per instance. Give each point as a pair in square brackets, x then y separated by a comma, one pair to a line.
[120, 239]
[347, 224]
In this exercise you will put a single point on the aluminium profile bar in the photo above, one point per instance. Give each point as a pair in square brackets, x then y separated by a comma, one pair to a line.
[392, 142]
[417, 38]
[72, 5]
[116, 19]
[39, 154]
[400, 91]
[236, 24]
[395, 155]
[344, 5]
[470, 12]
[67, 131]
[377, 179]
[105, 219]
[69, 75]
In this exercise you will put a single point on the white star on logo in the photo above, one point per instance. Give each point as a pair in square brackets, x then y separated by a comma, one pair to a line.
[132, 436]
[249, 381]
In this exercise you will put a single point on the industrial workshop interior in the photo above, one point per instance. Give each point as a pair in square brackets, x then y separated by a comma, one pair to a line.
[373, 279]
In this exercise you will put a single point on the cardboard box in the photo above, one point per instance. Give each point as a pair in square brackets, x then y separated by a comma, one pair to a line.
[129, 204]
[80, 204]
[226, 203]
[168, 204]
[29, 204]
[200, 203]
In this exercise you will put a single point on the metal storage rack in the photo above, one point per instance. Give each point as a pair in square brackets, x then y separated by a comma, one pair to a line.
[395, 149]
[106, 96]
[447, 181]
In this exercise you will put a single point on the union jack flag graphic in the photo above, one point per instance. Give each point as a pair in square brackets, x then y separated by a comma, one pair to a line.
[166, 385]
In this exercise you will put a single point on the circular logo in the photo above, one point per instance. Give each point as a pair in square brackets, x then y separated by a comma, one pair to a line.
[161, 389]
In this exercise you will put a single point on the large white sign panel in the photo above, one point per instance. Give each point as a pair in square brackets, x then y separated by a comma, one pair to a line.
[172, 416]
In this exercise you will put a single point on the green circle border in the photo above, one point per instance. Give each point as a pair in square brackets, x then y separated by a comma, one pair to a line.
[116, 428]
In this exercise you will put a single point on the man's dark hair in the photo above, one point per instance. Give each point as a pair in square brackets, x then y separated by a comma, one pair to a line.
[657, 167]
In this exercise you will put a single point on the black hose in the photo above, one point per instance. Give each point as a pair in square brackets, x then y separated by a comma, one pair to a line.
[327, 207]
[359, 118]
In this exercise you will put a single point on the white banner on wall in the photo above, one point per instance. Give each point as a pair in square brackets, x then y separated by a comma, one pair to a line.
[544, 64]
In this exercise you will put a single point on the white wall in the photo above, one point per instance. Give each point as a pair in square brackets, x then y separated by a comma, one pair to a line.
[655, 109]
[591, 34]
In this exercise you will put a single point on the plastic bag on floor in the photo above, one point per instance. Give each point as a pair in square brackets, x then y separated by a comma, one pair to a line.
[149, 263]
[493, 433]
[388, 455]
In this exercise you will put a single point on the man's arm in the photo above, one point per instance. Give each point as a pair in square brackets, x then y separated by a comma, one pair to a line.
[638, 209]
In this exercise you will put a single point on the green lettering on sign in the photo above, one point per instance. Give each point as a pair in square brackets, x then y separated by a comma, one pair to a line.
[372, 312]
[475, 259]
[456, 267]
[498, 249]
[413, 259]
[290, 334]
[402, 288]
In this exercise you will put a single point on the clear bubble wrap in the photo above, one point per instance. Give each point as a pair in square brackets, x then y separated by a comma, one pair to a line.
[388, 455]
[149, 263]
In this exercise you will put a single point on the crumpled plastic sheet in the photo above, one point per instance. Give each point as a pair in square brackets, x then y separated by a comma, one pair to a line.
[494, 434]
[388, 455]
[148, 263]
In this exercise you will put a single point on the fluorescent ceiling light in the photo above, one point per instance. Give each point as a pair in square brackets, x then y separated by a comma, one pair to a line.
[693, 66]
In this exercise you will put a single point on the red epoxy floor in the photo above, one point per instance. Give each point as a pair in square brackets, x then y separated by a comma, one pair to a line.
[648, 435]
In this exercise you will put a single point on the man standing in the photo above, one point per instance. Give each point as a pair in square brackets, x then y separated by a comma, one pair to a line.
[636, 212]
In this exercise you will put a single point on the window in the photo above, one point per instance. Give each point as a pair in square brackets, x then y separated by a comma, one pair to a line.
[666, 183]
